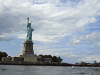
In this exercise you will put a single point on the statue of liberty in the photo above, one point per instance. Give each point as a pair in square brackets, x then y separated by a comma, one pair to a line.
[29, 31]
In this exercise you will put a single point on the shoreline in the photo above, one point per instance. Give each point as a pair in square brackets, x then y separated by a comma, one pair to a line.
[45, 64]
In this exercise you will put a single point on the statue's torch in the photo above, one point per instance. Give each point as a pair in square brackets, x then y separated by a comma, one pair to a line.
[27, 20]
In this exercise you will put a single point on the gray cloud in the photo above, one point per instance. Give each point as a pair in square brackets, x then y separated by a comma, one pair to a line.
[5, 39]
[90, 58]
[47, 19]
[92, 38]
[89, 53]
[74, 41]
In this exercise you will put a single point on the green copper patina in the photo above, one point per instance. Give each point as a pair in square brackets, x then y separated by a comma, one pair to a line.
[29, 31]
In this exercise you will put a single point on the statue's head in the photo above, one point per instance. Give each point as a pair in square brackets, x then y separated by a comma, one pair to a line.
[28, 18]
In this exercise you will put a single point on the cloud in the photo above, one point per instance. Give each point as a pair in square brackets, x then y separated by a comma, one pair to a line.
[74, 41]
[61, 43]
[90, 52]
[82, 52]
[49, 20]
[92, 38]
[68, 54]
[87, 53]
[47, 1]
[5, 39]
[93, 20]
[90, 58]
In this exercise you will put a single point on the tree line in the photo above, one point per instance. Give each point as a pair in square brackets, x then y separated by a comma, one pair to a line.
[53, 58]
[3, 54]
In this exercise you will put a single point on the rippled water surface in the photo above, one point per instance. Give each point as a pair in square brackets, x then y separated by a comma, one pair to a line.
[47, 70]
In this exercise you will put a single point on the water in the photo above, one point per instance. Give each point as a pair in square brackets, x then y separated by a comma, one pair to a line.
[47, 70]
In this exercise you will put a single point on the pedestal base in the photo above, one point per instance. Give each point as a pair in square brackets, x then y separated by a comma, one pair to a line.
[28, 47]
[29, 57]
[28, 53]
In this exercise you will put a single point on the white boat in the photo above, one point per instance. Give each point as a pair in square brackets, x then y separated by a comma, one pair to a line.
[72, 66]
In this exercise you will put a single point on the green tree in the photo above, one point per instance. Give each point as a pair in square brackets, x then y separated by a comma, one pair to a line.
[41, 55]
[9, 56]
[3, 54]
[45, 56]
[49, 56]
[54, 59]
[59, 59]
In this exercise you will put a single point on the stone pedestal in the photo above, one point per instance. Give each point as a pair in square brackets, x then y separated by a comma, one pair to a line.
[28, 47]
[29, 57]
[28, 52]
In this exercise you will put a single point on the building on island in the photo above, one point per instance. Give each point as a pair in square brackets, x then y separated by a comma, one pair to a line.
[12, 59]
[6, 59]
[47, 59]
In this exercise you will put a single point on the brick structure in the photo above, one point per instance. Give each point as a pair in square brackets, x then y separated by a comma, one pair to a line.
[17, 59]
[6, 59]
[12, 59]
[39, 59]
[47, 59]
[29, 57]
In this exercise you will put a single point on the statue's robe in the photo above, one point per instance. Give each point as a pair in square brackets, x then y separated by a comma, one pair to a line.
[29, 32]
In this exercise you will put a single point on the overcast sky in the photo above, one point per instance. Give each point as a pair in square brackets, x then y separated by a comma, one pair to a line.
[66, 28]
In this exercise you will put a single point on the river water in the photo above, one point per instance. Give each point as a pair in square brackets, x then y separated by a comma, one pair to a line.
[47, 70]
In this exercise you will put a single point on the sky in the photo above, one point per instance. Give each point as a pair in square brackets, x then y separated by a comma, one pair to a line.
[66, 28]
